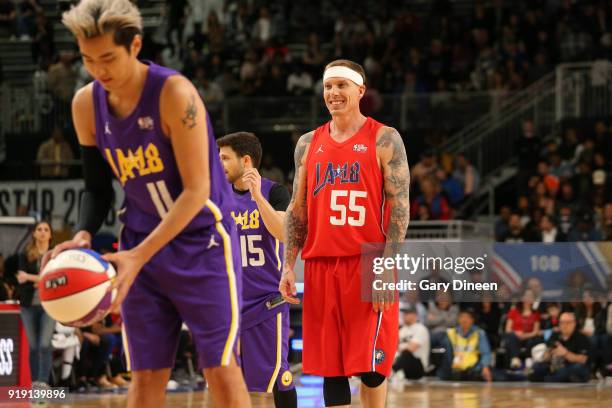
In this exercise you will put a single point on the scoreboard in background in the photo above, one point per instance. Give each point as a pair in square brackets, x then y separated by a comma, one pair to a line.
[14, 364]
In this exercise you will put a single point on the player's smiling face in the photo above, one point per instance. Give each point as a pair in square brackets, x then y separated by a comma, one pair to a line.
[342, 95]
[109, 63]
[232, 164]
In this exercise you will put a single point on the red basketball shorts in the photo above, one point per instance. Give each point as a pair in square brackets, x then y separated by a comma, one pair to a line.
[342, 335]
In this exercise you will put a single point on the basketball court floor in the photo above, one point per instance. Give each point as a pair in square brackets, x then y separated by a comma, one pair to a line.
[429, 393]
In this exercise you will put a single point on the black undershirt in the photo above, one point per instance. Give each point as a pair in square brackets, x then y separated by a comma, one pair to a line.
[278, 198]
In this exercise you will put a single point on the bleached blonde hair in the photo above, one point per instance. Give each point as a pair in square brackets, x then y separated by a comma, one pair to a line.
[91, 18]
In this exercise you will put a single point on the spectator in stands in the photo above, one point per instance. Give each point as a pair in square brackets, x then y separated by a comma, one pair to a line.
[567, 355]
[584, 229]
[535, 286]
[38, 324]
[522, 330]
[62, 80]
[441, 315]
[299, 82]
[467, 175]
[585, 151]
[314, 57]
[583, 180]
[431, 198]
[93, 359]
[412, 357]
[576, 284]
[549, 321]
[175, 20]
[215, 33]
[54, 156]
[558, 167]
[468, 352]
[549, 231]
[109, 330]
[602, 138]
[569, 145]
[527, 149]
[501, 224]
[8, 19]
[412, 297]
[489, 318]
[591, 321]
[451, 187]
[263, 28]
[515, 230]
[427, 166]
[66, 339]
[27, 18]
[210, 92]
[566, 218]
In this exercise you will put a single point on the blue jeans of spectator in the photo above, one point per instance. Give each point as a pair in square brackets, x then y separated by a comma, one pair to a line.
[568, 373]
[513, 345]
[438, 339]
[39, 330]
[446, 372]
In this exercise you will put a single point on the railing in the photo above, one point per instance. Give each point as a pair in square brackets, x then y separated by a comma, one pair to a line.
[25, 110]
[488, 141]
[574, 90]
[584, 90]
[450, 230]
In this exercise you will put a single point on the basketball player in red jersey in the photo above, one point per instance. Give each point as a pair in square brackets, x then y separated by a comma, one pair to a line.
[351, 187]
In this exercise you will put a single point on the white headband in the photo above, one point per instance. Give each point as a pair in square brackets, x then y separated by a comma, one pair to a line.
[340, 71]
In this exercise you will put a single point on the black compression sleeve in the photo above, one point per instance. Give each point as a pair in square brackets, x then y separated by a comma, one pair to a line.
[98, 194]
[279, 197]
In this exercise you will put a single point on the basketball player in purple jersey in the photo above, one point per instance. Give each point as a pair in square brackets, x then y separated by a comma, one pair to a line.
[259, 212]
[179, 258]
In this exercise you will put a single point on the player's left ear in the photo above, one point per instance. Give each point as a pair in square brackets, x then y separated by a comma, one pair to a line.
[247, 162]
[136, 45]
[362, 90]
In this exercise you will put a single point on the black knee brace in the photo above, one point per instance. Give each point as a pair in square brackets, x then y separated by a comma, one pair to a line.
[284, 399]
[372, 379]
[336, 391]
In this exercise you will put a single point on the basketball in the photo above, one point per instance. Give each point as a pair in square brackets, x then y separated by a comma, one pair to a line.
[74, 287]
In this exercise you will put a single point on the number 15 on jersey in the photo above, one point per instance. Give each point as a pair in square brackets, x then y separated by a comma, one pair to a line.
[252, 254]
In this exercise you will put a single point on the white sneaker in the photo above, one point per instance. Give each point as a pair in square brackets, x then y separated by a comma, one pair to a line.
[172, 385]
[515, 363]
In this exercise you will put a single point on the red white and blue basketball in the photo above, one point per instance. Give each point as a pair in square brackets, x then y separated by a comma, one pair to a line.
[74, 287]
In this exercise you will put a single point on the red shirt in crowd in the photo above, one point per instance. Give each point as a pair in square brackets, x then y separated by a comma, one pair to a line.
[521, 323]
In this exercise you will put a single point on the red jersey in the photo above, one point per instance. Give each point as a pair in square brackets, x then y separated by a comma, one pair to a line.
[345, 197]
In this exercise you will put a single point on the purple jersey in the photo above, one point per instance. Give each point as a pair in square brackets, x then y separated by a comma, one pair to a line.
[261, 257]
[143, 160]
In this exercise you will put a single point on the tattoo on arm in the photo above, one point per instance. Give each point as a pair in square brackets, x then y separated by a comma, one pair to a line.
[396, 184]
[189, 120]
[296, 220]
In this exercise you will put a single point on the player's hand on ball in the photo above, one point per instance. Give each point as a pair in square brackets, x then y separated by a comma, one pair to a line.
[127, 264]
[252, 179]
[287, 287]
[383, 299]
[81, 240]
